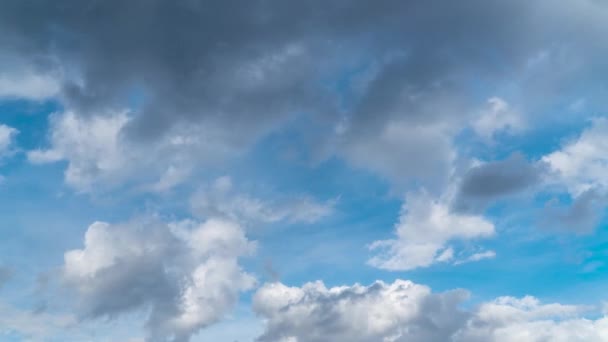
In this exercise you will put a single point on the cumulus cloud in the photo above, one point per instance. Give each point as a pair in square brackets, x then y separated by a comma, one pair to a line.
[186, 274]
[405, 311]
[220, 199]
[90, 145]
[424, 232]
[402, 311]
[99, 157]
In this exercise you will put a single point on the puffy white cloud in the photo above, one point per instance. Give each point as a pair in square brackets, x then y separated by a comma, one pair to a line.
[91, 145]
[220, 199]
[187, 273]
[380, 312]
[405, 311]
[425, 229]
[581, 163]
[99, 156]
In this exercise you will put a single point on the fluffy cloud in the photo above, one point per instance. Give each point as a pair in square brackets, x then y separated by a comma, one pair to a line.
[99, 157]
[581, 163]
[401, 311]
[405, 311]
[425, 229]
[91, 146]
[220, 199]
[187, 274]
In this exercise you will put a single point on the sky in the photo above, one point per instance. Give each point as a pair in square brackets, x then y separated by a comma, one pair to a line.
[303, 171]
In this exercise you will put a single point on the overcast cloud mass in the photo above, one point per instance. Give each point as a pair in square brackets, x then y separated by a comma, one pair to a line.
[199, 170]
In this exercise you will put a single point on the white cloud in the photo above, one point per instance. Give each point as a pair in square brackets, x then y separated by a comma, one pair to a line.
[581, 164]
[27, 84]
[405, 311]
[186, 273]
[7, 139]
[379, 312]
[424, 232]
[220, 199]
[91, 145]
[478, 256]
[497, 117]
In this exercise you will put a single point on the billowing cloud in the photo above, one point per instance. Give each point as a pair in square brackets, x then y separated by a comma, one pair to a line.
[220, 199]
[370, 87]
[405, 311]
[424, 232]
[186, 274]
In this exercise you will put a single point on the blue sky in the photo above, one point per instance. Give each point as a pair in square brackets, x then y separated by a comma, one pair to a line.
[303, 171]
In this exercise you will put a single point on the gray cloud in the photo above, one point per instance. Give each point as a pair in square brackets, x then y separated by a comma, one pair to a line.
[582, 216]
[394, 78]
[490, 181]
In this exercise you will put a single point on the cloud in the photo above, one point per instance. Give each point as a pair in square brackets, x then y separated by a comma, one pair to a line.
[424, 232]
[339, 67]
[220, 199]
[33, 326]
[580, 164]
[7, 139]
[490, 181]
[91, 145]
[27, 85]
[499, 117]
[401, 311]
[581, 216]
[405, 311]
[477, 257]
[187, 273]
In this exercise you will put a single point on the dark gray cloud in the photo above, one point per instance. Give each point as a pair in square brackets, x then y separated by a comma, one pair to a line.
[582, 216]
[233, 71]
[493, 180]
